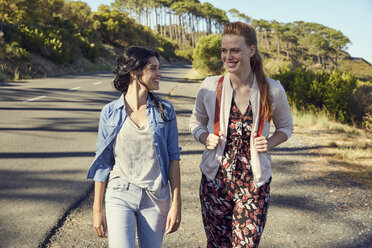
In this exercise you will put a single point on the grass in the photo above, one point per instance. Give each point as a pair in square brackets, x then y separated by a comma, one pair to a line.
[196, 74]
[100, 65]
[344, 149]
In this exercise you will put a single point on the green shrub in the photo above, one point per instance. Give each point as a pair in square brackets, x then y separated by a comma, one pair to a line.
[187, 54]
[165, 47]
[332, 92]
[338, 98]
[58, 41]
[367, 122]
[13, 51]
[274, 66]
[52, 42]
[207, 54]
[362, 95]
[33, 39]
[89, 50]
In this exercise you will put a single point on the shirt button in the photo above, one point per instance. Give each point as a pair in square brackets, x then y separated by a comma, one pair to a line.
[156, 144]
[158, 155]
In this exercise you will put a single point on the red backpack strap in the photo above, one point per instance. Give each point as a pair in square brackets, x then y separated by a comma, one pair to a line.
[218, 106]
[260, 124]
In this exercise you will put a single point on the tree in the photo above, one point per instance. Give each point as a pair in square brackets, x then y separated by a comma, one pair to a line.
[207, 11]
[179, 9]
[317, 45]
[237, 16]
[220, 19]
[264, 27]
[30, 12]
[278, 29]
[80, 14]
[290, 39]
[18, 11]
[132, 6]
[337, 41]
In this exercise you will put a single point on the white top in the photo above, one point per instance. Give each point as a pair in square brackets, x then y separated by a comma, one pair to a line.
[202, 120]
[136, 162]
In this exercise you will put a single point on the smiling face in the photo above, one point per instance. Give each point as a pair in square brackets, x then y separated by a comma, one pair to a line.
[150, 75]
[235, 53]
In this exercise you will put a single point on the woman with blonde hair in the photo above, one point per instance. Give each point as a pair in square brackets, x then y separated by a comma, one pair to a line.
[231, 118]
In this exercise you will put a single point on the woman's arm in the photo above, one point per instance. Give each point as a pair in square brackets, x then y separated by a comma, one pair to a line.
[101, 167]
[210, 140]
[275, 140]
[263, 145]
[99, 220]
[174, 215]
[283, 122]
[199, 118]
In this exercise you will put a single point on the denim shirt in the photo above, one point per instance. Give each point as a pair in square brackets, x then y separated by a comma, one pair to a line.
[165, 136]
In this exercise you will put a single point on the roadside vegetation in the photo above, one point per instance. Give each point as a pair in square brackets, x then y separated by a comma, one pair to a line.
[344, 150]
[68, 34]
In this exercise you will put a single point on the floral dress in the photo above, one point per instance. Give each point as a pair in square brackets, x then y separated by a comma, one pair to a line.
[234, 210]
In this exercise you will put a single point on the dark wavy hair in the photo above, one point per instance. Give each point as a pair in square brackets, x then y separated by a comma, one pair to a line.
[135, 58]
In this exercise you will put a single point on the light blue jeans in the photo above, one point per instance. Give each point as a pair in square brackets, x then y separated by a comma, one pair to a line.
[127, 207]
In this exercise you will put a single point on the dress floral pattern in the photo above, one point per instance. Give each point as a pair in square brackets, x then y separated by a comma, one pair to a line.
[234, 210]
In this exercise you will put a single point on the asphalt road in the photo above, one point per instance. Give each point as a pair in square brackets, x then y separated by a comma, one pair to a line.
[48, 130]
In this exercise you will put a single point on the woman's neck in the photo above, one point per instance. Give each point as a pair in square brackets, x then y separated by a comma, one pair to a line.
[242, 79]
[136, 96]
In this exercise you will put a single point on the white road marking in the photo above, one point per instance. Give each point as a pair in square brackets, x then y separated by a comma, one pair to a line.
[34, 99]
[76, 88]
[97, 83]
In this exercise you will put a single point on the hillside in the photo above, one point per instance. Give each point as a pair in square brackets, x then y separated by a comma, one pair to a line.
[46, 38]
[360, 67]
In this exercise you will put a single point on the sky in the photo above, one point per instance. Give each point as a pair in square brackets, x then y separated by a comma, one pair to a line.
[352, 18]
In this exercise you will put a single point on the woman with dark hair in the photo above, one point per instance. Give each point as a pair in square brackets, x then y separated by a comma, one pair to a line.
[137, 154]
[231, 118]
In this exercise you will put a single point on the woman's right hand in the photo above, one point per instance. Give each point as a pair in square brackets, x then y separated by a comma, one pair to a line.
[211, 140]
[99, 223]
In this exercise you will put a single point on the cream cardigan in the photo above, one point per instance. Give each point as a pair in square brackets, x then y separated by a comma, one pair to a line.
[202, 120]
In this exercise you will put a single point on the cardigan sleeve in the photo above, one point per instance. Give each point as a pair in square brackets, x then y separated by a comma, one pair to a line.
[282, 117]
[199, 118]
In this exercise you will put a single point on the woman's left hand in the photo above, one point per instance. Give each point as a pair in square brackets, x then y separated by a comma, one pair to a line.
[174, 218]
[260, 142]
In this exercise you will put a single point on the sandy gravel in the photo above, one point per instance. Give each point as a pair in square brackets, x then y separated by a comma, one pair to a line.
[307, 209]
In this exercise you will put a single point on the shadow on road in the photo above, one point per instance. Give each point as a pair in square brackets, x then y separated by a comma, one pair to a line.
[23, 155]
[36, 181]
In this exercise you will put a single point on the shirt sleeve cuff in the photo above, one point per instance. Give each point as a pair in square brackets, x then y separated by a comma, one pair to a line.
[199, 132]
[100, 175]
